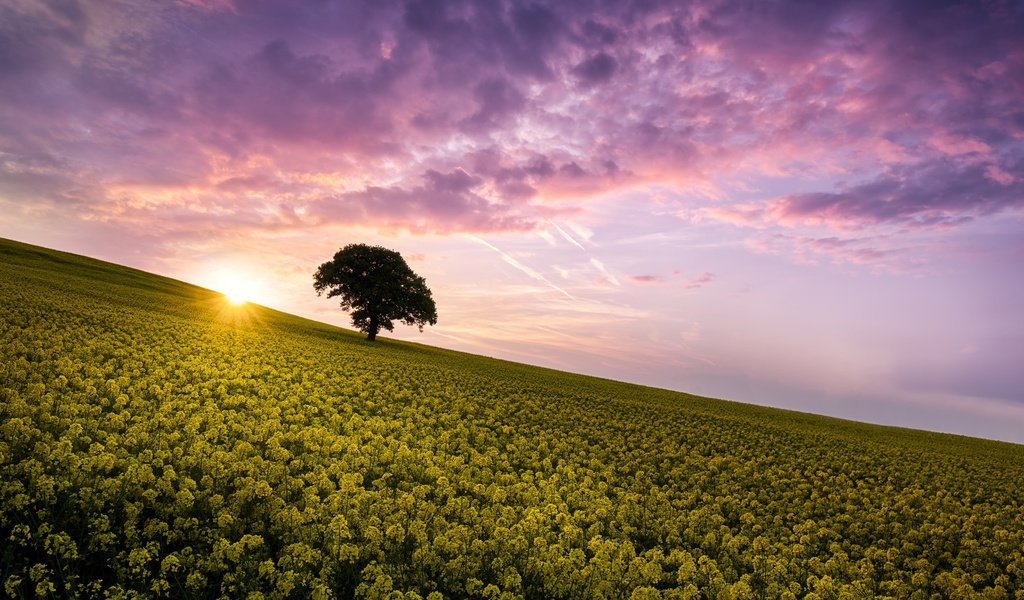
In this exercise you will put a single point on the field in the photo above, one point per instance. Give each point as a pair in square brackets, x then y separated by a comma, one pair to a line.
[158, 442]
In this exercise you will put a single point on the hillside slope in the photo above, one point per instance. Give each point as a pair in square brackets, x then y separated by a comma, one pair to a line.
[156, 441]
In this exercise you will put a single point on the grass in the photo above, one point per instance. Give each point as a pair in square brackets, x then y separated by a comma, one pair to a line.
[157, 441]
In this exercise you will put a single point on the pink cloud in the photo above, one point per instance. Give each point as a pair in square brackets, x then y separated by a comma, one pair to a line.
[958, 145]
[570, 100]
[995, 173]
[700, 281]
[750, 214]
[647, 278]
[443, 203]
[935, 194]
[690, 284]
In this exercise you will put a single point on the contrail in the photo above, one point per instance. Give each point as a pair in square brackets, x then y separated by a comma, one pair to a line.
[568, 237]
[532, 274]
[604, 271]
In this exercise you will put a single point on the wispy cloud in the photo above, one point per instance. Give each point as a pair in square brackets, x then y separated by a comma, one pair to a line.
[567, 237]
[605, 272]
[692, 283]
[700, 281]
[529, 272]
[647, 278]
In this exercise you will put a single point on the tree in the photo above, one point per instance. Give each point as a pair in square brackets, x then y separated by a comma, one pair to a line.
[378, 287]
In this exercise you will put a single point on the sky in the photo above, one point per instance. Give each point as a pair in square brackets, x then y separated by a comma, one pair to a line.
[810, 205]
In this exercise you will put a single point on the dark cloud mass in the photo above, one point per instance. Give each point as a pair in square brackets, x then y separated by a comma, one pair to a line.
[497, 99]
[596, 69]
[920, 102]
[941, 193]
[597, 34]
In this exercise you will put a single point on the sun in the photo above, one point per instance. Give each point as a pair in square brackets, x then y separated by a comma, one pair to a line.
[237, 296]
[237, 286]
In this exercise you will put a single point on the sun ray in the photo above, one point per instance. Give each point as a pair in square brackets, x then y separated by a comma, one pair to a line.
[238, 285]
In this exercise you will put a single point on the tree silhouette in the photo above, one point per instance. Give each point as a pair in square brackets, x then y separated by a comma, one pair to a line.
[378, 287]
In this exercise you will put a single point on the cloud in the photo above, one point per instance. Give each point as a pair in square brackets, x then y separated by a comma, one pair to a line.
[567, 237]
[935, 194]
[572, 101]
[596, 34]
[444, 203]
[596, 69]
[691, 284]
[528, 271]
[700, 281]
[605, 273]
[647, 278]
[498, 99]
[882, 253]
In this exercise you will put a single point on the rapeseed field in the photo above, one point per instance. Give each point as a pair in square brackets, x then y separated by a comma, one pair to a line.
[156, 441]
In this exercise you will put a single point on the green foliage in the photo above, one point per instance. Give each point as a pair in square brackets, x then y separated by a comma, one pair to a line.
[156, 442]
[378, 287]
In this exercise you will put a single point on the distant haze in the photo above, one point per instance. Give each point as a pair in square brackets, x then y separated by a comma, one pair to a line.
[809, 205]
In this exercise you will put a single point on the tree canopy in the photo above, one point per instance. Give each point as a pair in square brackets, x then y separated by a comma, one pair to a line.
[378, 287]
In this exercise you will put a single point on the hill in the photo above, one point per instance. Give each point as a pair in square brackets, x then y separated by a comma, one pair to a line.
[156, 441]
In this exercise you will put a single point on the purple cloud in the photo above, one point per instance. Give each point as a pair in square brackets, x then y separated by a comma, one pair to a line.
[595, 34]
[940, 193]
[444, 203]
[596, 69]
[497, 100]
[198, 95]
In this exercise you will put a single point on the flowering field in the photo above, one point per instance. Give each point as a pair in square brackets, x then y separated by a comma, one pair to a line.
[158, 442]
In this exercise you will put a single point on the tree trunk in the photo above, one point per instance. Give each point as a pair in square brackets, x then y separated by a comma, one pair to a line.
[371, 335]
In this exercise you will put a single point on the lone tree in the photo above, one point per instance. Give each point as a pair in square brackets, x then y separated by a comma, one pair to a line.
[378, 287]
